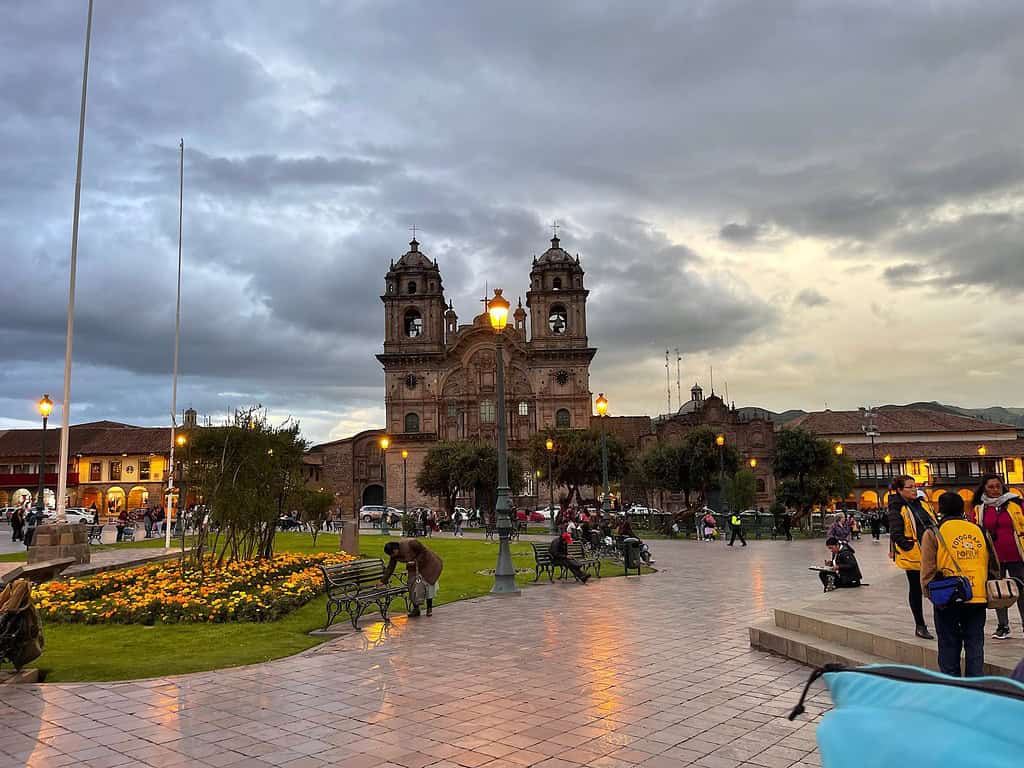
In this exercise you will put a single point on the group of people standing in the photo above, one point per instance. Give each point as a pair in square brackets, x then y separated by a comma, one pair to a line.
[984, 543]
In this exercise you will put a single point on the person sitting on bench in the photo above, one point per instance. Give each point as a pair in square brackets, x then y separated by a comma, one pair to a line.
[843, 570]
[559, 549]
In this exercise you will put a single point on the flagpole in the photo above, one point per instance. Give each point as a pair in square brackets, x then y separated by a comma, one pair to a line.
[177, 333]
[62, 471]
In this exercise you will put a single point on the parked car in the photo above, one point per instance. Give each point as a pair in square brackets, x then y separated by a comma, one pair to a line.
[533, 516]
[6, 513]
[544, 513]
[372, 513]
[72, 515]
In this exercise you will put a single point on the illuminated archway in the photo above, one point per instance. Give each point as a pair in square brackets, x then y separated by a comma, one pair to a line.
[968, 497]
[115, 500]
[92, 496]
[138, 497]
[868, 500]
[4, 499]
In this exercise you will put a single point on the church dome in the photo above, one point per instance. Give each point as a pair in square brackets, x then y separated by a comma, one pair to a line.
[414, 258]
[557, 256]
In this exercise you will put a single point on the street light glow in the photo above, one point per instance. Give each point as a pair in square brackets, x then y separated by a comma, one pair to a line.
[45, 406]
[982, 450]
[385, 442]
[753, 462]
[405, 454]
[839, 449]
[180, 440]
[549, 444]
[887, 459]
[601, 404]
[720, 441]
[498, 308]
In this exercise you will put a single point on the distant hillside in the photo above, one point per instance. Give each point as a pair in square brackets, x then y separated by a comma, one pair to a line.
[997, 413]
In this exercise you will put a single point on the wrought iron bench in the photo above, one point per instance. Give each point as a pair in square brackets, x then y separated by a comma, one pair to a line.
[355, 586]
[95, 534]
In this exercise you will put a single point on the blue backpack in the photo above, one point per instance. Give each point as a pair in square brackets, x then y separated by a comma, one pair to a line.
[892, 715]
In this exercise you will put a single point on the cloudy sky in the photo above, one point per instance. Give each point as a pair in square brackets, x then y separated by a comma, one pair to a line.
[825, 201]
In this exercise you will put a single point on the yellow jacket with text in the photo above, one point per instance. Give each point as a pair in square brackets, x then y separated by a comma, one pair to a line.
[965, 550]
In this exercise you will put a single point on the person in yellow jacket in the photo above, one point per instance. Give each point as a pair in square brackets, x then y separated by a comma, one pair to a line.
[909, 517]
[965, 550]
[1001, 514]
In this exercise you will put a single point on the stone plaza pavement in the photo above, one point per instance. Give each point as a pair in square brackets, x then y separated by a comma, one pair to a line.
[653, 671]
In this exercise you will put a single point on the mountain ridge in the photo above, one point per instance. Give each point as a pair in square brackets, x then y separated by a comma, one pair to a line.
[998, 414]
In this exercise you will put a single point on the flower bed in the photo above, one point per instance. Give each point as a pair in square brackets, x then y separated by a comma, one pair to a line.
[253, 590]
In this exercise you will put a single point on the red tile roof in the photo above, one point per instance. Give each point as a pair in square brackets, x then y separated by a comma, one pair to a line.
[958, 449]
[93, 438]
[894, 421]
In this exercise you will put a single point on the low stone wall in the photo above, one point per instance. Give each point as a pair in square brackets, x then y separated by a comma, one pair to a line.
[52, 542]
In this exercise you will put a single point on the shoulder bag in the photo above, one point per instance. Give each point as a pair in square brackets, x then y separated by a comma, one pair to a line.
[949, 590]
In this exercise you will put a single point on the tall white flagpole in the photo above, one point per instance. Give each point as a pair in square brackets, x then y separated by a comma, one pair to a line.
[62, 467]
[177, 333]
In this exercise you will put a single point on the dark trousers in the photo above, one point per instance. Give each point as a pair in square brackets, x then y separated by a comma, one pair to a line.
[1003, 614]
[572, 565]
[876, 528]
[961, 628]
[737, 530]
[16, 533]
[914, 596]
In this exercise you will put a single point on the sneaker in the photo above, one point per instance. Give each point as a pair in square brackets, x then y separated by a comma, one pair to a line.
[1001, 633]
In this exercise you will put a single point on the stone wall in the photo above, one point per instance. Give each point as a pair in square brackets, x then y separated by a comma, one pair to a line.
[53, 542]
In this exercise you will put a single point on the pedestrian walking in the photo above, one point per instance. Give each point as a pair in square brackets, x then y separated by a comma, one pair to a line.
[736, 529]
[854, 527]
[17, 525]
[710, 526]
[147, 522]
[786, 524]
[909, 517]
[957, 546]
[122, 522]
[876, 525]
[457, 523]
[423, 567]
[1001, 514]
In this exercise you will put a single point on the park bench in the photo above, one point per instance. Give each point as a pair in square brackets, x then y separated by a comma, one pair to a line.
[95, 534]
[588, 561]
[544, 563]
[490, 530]
[355, 586]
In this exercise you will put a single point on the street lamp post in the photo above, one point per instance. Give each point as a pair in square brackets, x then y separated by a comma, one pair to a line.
[720, 442]
[549, 445]
[870, 429]
[602, 410]
[179, 521]
[405, 486]
[385, 443]
[839, 449]
[45, 406]
[504, 572]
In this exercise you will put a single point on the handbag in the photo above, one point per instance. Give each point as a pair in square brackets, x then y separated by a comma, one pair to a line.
[1002, 593]
[949, 590]
[419, 590]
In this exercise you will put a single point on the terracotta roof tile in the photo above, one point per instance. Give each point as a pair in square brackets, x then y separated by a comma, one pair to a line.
[894, 421]
[958, 449]
[86, 439]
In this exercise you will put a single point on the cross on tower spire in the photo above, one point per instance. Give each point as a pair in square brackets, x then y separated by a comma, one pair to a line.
[554, 228]
[413, 230]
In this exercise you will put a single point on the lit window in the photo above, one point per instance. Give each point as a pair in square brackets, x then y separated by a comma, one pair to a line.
[562, 419]
[1011, 465]
[115, 470]
[487, 411]
[143, 469]
[524, 408]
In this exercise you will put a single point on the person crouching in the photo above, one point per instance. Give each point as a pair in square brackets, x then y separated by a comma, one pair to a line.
[845, 571]
[422, 564]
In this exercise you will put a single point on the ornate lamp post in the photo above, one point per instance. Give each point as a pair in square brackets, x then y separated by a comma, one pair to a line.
[601, 404]
[840, 450]
[549, 445]
[720, 442]
[45, 407]
[179, 523]
[504, 573]
[385, 443]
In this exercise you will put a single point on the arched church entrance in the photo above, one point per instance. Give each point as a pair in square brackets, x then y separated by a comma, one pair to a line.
[373, 495]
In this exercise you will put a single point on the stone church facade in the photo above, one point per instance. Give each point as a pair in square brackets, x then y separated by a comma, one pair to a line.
[439, 376]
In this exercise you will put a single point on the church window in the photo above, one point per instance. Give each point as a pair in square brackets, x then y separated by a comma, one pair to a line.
[524, 408]
[411, 288]
[562, 419]
[761, 487]
[412, 422]
[453, 410]
[556, 284]
[487, 411]
[413, 324]
[557, 319]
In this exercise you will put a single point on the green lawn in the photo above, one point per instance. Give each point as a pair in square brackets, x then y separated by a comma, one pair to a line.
[78, 652]
[21, 557]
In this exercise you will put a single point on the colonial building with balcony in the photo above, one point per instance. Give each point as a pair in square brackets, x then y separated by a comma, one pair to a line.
[941, 451]
[113, 466]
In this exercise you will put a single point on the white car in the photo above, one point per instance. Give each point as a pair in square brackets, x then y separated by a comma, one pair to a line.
[73, 515]
[372, 513]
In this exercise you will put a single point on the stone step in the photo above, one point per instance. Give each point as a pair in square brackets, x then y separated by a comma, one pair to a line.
[807, 649]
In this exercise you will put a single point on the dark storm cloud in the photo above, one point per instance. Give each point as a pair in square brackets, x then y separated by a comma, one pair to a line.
[317, 134]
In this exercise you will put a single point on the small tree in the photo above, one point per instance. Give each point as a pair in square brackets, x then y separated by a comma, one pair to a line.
[316, 507]
[805, 468]
[577, 460]
[442, 473]
[707, 460]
